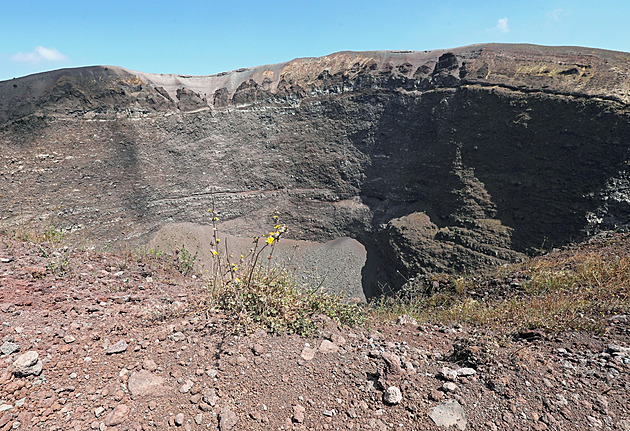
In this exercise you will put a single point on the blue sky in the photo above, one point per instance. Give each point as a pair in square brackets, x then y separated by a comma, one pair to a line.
[206, 37]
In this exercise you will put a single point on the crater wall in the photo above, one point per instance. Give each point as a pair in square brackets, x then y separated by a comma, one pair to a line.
[434, 161]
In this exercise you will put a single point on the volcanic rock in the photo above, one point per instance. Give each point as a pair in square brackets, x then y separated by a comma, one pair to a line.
[386, 165]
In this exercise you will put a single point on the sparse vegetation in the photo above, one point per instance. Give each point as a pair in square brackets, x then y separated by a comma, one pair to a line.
[185, 260]
[578, 288]
[261, 294]
[581, 288]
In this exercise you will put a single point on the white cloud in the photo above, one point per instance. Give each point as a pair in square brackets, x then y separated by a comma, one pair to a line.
[40, 54]
[555, 15]
[502, 25]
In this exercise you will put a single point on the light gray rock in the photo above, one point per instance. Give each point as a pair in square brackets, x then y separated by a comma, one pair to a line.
[392, 395]
[8, 348]
[619, 350]
[119, 347]
[308, 353]
[117, 416]
[298, 413]
[449, 387]
[179, 419]
[227, 419]
[210, 397]
[27, 364]
[449, 413]
[328, 346]
[177, 337]
[186, 387]
[465, 372]
[448, 374]
[143, 383]
[149, 365]
[5, 407]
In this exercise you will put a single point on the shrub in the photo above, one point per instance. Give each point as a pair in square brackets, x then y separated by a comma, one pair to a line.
[254, 293]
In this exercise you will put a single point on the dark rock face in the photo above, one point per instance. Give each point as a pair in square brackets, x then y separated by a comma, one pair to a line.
[434, 161]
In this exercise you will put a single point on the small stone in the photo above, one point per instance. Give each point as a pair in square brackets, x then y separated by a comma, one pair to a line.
[144, 383]
[227, 419]
[8, 348]
[448, 374]
[98, 411]
[392, 395]
[27, 364]
[69, 339]
[212, 373]
[377, 425]
[186, 387]
[5, 407]
[179, 419]
[329, 413]
[298, 413]
[199, 419]
[465, 372]
[338, 339]
[119, 347]
[117, 416]
[449, 413]
[449, 387]
[177, 337]
[210, 397]
[258, 349]
[308, 353]
[149, 365]
[435, 395]
[328, 346]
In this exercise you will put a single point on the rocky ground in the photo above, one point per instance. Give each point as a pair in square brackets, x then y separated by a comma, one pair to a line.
[98, 341]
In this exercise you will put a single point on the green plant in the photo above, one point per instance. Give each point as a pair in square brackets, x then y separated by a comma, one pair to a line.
[58, 263]
[185, 260]
[254, 293]
[53, 234]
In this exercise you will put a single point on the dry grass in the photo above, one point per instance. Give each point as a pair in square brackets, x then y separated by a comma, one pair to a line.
[257, 294]
[579, 288]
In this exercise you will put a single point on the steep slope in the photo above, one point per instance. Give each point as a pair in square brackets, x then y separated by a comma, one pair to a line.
[433, 161]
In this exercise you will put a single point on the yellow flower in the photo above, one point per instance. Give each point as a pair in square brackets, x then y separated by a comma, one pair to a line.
[214, 252]
[270, 240]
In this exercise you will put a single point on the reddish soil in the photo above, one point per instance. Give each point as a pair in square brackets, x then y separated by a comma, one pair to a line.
[189, 371]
